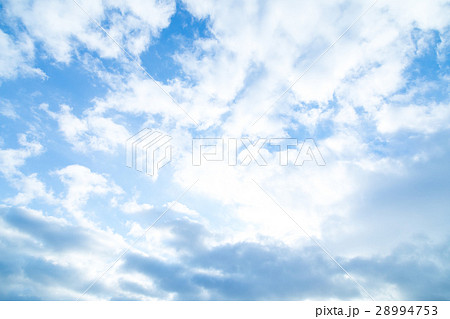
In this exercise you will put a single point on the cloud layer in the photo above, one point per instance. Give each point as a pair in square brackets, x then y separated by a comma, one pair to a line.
[375, 103]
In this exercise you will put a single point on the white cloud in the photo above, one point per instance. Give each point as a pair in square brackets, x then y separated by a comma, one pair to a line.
[266, 49]
[235, 75]
[82, 184]
[12, 159]
[132, 206]
[257, 50]
[63, 28]
[16, 57]
[182, 209]
[425, 119]
[90, 132]
[30, 188]
[7, 109]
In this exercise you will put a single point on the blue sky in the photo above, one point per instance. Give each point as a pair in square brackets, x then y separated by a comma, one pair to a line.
[376, 104]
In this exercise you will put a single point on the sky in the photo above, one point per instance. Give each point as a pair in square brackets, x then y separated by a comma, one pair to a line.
[367, 82]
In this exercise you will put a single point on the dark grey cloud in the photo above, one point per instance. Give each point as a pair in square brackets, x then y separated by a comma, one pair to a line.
[248, 272]
[53, 234]
[422, 271]
[273, 271]
[25, 272]
[32, 278]
[240, 271]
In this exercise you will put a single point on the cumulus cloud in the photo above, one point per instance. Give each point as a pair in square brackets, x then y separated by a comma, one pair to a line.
[17, 57]
[12, 159]
[182, 209]
[82, 183]
[52, 263]
[425, 119]
[132, 206]
[241, 271]
[91, 132]
[30, 188]
[343, 99]
[131, 23]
